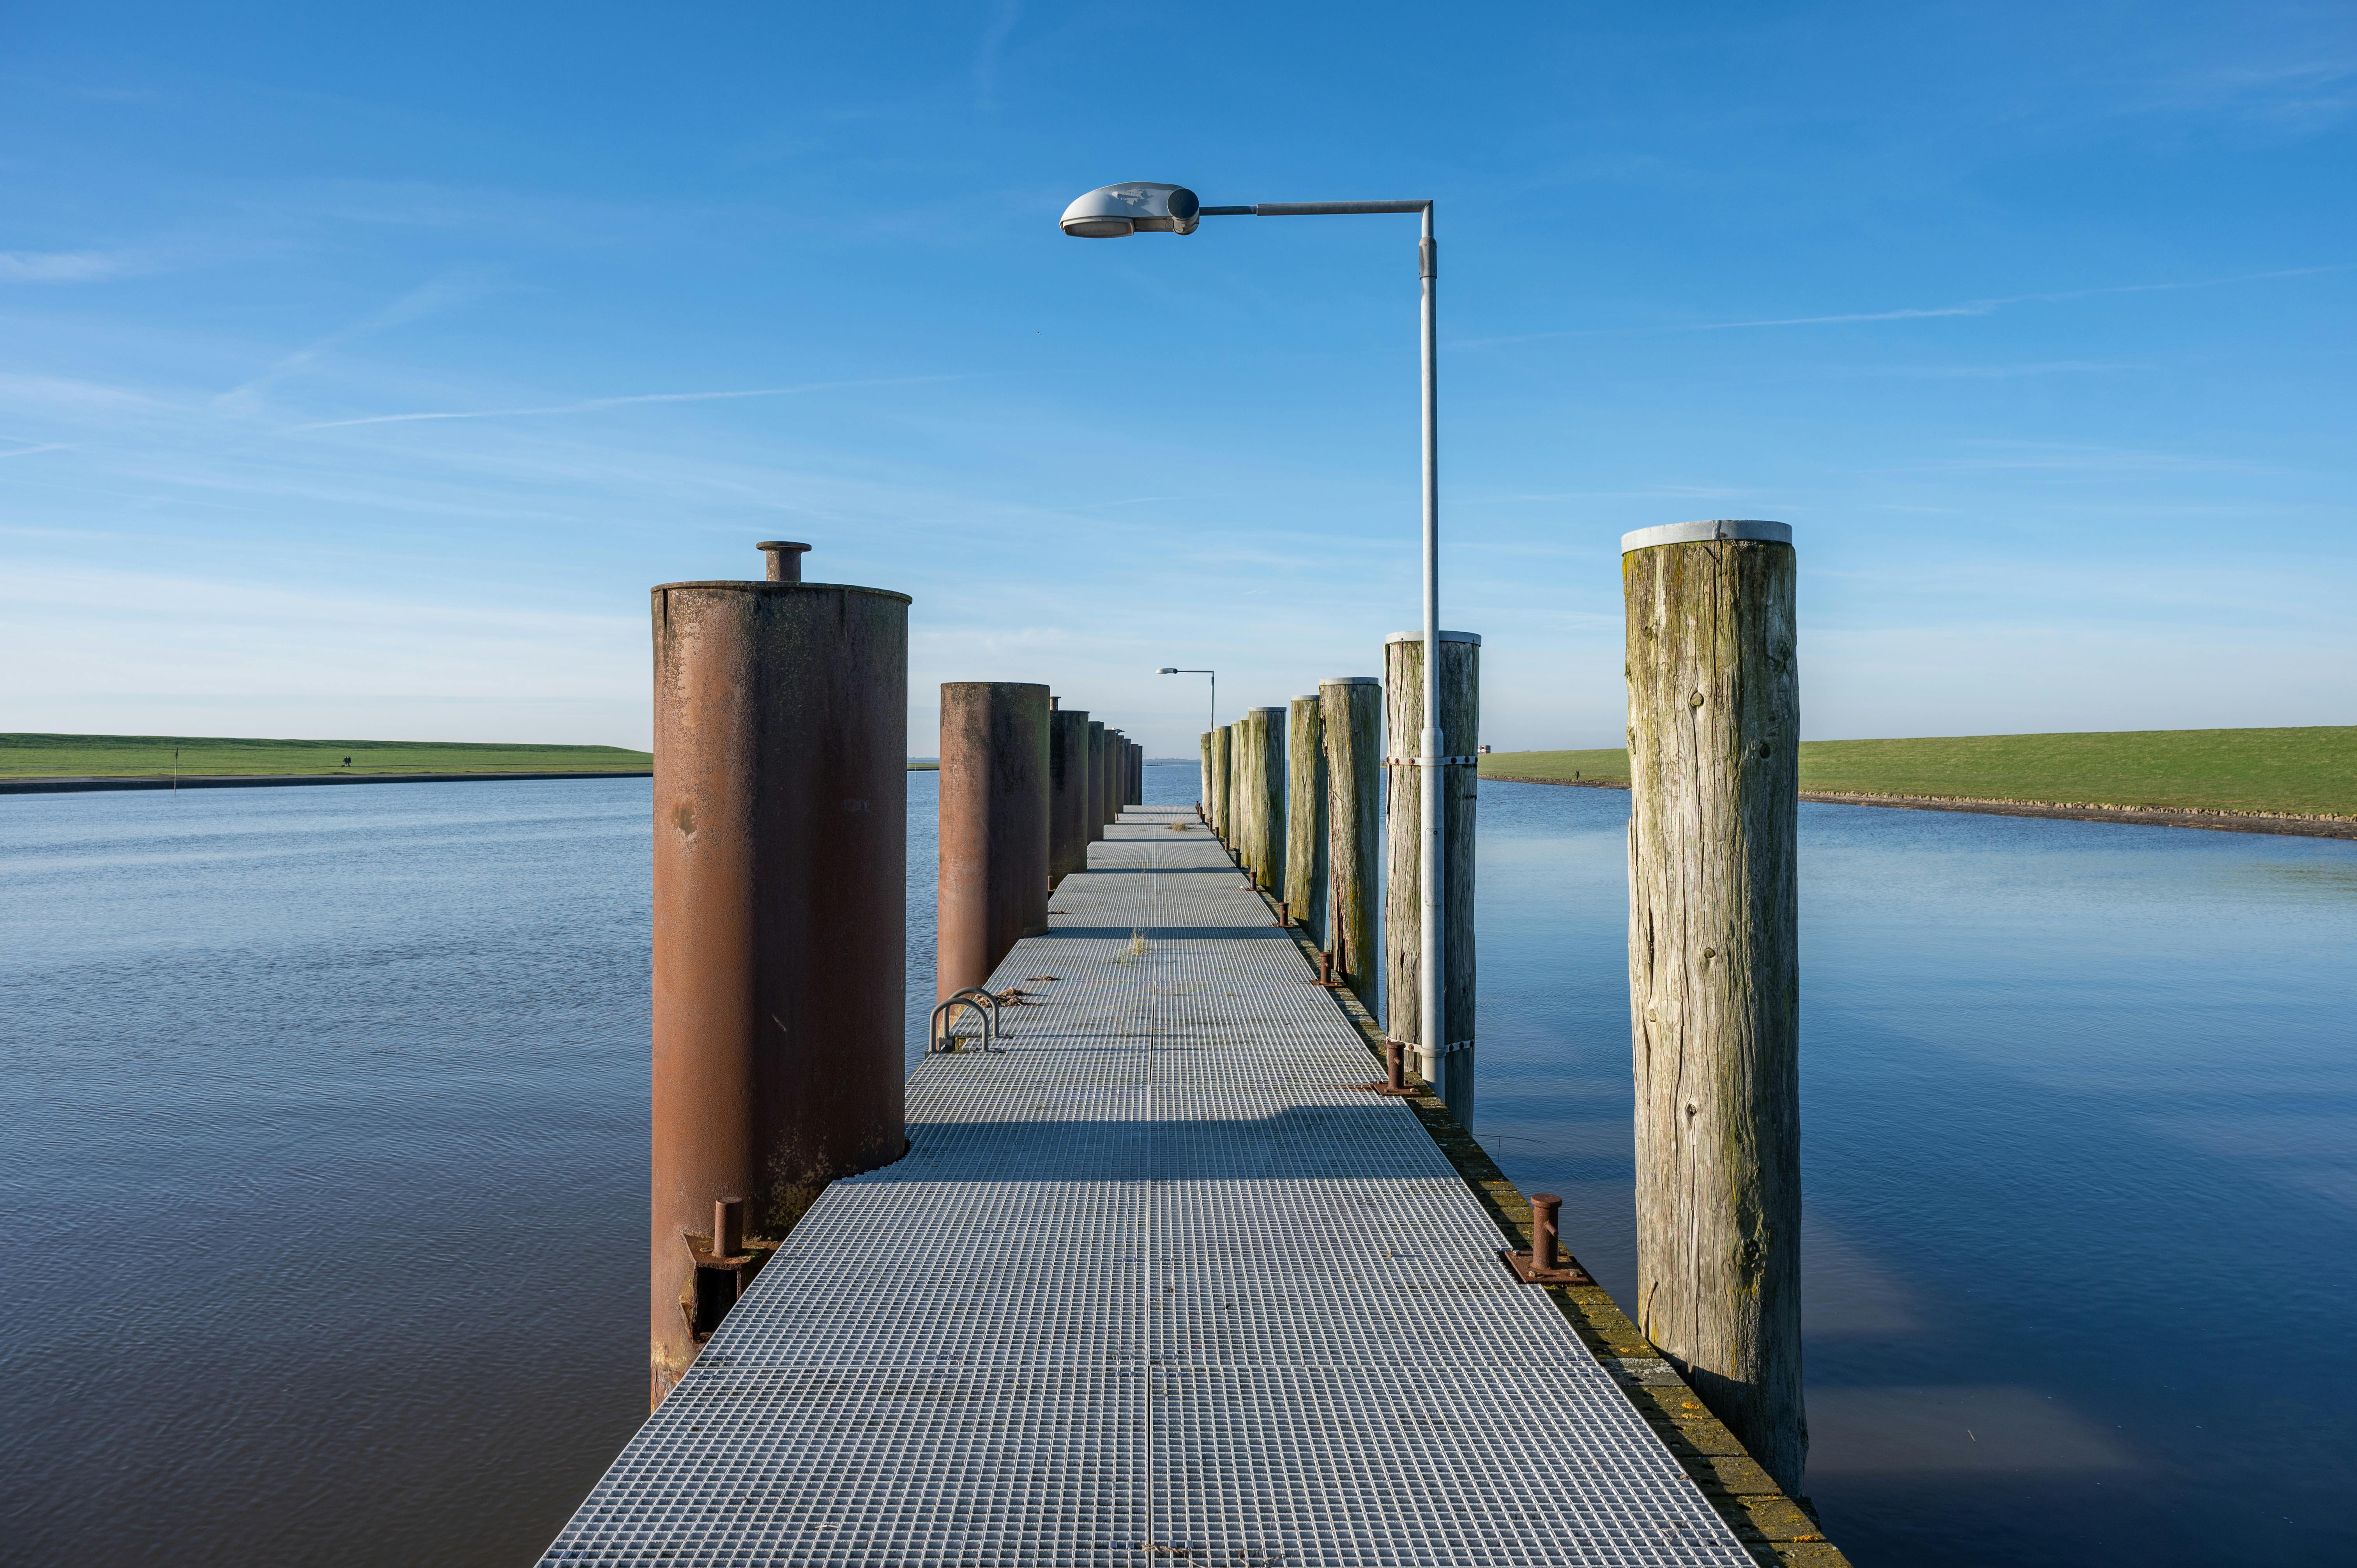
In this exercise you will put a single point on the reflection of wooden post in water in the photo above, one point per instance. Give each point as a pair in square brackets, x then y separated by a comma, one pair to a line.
[1305, 816]
[1714, 975]
[1352, 708]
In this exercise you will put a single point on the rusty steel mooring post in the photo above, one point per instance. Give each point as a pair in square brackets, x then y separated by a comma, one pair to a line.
[994, 828]
[1116, 762]
[1068, 792]
[1094, 810]
[781, 902]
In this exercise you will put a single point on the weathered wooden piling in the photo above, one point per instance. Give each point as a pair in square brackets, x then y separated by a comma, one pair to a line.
[1203, 778]
[1068, 784]
[1094, 810]
[993, 877]
[1215, 785]
[1239, 791]
[1248, 789]
[1352, 718]
[1306, 815]
[1444, 1055]
[781, 906]
[1713, 969]
[1264, 844]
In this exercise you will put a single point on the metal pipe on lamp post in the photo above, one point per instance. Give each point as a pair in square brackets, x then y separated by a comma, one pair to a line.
[1174, 670]
[1116, 211]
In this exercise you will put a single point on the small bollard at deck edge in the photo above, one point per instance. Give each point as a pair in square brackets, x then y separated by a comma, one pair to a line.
[1394, 1083]
[1544, 1263]
[780, 913]
[1714, 968]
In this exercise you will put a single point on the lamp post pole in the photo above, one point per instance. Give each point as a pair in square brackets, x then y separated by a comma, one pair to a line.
[1115, 211]
[1174, 670]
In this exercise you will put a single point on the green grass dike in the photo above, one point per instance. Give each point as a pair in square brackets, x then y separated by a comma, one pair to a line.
[150, 757]
[2309, 771]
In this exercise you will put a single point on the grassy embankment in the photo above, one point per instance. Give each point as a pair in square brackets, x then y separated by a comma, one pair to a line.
[150, 757]
[2309, 771]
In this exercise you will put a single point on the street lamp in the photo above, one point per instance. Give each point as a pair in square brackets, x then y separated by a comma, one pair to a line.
[1143, 206]
[1174, 670]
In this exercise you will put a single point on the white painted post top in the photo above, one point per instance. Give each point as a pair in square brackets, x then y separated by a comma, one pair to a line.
[1310, 698]
[1472, 637]
[1351, 680]
[1696, 532]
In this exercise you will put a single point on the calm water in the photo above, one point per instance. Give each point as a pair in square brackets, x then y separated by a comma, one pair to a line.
[322, 1200]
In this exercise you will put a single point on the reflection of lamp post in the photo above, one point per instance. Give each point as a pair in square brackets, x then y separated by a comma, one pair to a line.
[1174, 670]
[1116, 211]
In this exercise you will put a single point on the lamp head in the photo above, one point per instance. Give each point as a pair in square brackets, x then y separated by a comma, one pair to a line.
[1140, 206]
[1167, 670]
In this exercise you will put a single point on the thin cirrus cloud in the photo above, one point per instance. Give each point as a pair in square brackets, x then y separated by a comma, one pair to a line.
[595, 405]
[1917, 313]
[450, 289]
[67, 266]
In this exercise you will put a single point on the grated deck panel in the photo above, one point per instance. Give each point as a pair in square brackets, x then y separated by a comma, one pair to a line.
[1153, 1285]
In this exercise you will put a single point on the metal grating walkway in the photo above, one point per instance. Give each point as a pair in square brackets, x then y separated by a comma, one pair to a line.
[1152, 1286]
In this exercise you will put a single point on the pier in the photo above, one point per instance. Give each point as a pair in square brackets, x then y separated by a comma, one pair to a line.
[1159, 1279]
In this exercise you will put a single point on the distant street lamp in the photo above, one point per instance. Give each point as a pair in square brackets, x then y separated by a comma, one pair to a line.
[1174, 670]
[1143, 207]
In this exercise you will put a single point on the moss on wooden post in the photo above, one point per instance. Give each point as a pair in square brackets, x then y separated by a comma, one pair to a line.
[1305, 816]
[1444, 1057]
[1714, 973]
[1352, 708]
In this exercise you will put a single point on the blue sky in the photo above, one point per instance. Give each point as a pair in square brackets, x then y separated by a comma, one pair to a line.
[360, 368]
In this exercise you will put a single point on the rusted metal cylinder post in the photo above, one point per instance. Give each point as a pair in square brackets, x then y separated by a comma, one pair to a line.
[1216, 785]
[781, 906]
[993, 827]
[1713, 969]
[1116, 749]
[1444, 1053]
[1351, 711]
[1306, 808]
[1094, 810]
[1067, 783]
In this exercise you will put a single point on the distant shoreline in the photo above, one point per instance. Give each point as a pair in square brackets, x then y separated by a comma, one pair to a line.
[279, 780]
[2282, 822]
